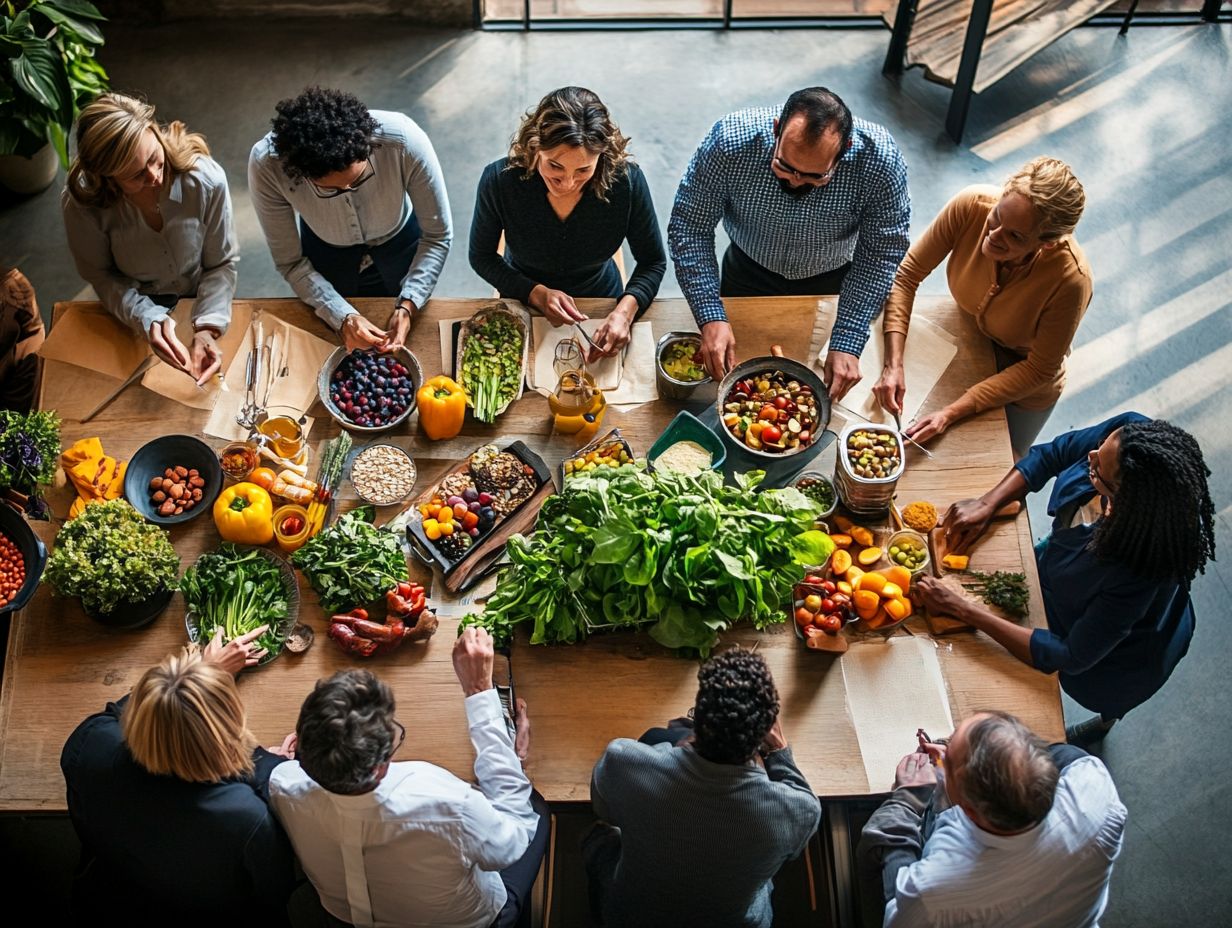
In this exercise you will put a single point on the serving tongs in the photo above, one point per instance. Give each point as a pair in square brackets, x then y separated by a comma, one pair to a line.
[255, 370]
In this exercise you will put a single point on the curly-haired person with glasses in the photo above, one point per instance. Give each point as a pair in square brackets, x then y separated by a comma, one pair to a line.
[1133, 525]
[407, 843]
[698, 817]
[373, 214]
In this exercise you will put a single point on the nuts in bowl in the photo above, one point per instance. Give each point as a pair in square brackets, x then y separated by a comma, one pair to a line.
[382, 474]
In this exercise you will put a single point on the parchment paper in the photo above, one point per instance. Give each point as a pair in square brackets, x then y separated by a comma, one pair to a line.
[929, 351]
[894, 687]
[545, 337]
[87, 335]
[166, 381]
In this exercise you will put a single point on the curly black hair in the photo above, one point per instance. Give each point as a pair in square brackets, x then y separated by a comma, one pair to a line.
[737, 704]
[322, 131]
[346, 731]
[1162, 523]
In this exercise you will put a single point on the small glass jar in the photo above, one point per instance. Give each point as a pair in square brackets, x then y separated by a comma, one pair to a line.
[238, 460]
[289, 533]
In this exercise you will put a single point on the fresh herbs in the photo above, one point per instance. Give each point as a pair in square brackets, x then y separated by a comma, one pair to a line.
[1001, 589]
[237, 590]
[29, 449]
[110, 556]
[685, 555]
[492, 363]
[352, 562]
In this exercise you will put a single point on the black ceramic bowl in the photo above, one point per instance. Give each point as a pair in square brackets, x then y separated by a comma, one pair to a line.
[33, 552]
[171, 451]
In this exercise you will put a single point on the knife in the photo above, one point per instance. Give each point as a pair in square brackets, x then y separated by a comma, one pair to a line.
[132, 379]
[586, 335]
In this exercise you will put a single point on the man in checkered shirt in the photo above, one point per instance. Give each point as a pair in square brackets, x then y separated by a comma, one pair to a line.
[814, 202]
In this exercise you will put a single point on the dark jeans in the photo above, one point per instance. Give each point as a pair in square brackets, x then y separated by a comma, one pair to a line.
[742, 276]
[306, 911]
[341, 265]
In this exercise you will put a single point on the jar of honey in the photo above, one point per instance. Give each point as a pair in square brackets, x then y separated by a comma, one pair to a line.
[284, 433]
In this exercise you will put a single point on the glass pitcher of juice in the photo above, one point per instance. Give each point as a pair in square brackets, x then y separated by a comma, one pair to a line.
[282, 429]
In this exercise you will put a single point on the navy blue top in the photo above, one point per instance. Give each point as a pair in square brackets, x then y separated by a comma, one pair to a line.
[1114, 636]
[192, 850]
[574, 254]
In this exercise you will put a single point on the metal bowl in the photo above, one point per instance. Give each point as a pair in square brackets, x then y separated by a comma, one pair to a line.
[33, 555]
[794, 369]
[669, 387]
[408, 360]
[820, 478]
[349, 467]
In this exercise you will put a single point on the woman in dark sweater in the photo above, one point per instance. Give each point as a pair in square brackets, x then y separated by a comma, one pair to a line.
[566, 198]
[168, 792]
[1133, 525]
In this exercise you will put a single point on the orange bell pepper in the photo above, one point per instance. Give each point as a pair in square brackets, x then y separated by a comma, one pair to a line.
[442, 407]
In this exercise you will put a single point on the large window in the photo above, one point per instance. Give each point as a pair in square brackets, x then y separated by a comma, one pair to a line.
[714, 11]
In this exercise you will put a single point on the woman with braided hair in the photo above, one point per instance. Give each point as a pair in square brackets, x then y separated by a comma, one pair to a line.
[1133, 524]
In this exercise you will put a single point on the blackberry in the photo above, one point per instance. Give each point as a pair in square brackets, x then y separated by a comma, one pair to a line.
[454, 546]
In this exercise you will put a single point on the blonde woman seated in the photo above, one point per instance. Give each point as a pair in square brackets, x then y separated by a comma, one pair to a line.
[167, 790]
[1014, 265]
[148, 218]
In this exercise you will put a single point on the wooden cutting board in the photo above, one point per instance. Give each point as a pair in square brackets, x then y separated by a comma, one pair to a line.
[942, 624]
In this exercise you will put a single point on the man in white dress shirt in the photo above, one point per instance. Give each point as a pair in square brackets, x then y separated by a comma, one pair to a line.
[1021, 834]
[408, 843]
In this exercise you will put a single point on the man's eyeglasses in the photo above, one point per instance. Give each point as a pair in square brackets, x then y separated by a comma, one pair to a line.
[819, 180]
[401, 736]
[328, 193]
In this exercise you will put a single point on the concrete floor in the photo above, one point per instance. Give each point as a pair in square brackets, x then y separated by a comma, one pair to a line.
[1144, 120]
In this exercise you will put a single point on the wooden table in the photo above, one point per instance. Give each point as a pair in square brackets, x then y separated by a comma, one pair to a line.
[62, 666]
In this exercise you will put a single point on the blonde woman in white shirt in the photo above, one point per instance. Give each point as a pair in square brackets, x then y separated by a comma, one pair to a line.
[148, 218]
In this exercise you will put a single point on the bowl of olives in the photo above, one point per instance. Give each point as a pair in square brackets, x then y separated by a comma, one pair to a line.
[908, 549]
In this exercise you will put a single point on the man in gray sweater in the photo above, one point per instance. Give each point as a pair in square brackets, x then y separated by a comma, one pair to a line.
[697, 818]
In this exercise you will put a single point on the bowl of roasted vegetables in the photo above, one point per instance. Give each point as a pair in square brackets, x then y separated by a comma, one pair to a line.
[772, 407]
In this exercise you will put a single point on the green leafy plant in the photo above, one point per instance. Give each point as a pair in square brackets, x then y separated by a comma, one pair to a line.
[109, 556]
[686, 556]
[237, 590]
[49, 72]
[29, 449]
[352, 562]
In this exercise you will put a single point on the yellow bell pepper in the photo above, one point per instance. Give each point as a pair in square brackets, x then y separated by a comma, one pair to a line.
[244, 513]
[442, 407]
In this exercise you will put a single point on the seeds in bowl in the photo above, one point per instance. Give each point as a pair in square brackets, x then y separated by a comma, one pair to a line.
[383, 474]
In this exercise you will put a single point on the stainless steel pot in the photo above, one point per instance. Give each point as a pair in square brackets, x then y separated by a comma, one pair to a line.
[866, 496]
[775, 361]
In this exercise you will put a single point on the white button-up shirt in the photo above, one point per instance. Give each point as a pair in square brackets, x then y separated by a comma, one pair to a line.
[1055, 874]
[407, 178]
[422, 848]
[195, 254]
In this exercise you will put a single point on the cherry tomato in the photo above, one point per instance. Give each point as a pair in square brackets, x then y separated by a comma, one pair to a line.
[803, 617]
[771, 434]
[829, 586]
[831, 624]
[813, 578]
[781, 402]
[813, 603]
[827, 606]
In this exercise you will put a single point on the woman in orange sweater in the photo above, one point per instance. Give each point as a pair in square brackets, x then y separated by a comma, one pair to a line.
[1014, 266]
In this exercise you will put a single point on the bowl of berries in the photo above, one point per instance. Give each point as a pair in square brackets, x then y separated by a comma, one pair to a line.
[367, 391]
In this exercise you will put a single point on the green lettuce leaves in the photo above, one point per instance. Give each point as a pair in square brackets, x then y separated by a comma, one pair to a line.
[684, 557]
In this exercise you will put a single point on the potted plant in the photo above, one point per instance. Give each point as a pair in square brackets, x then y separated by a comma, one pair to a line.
[49, 73]
[121, 567]
[29, 455]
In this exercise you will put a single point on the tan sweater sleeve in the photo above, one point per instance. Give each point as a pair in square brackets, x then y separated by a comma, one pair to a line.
[1057, 325]
[922, 258]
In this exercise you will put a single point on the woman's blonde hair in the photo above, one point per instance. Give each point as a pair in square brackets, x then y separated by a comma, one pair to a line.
[576, 117]
[185, 719]
[1055, 193]
[108, 132]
